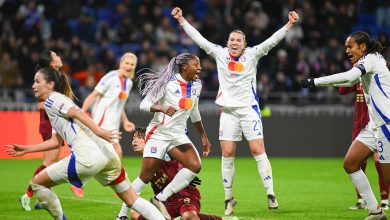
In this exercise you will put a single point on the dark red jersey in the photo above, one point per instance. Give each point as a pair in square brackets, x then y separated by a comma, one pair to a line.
[361, 112]
[165, 174]
[45, 128]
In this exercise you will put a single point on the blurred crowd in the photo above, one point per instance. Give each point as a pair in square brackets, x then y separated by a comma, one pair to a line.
[90, 36]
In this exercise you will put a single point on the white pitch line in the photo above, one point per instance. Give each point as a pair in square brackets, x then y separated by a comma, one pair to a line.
[91, 200]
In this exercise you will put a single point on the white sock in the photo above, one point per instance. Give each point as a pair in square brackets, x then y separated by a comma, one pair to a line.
[228, 172]
[361, 183]
[385, 201]
[146, 209]
[138, 185]
[265, 171]
[49, 200]
[181, 180]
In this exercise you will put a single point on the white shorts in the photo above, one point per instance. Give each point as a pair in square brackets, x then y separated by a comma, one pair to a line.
[158, 148]
[382, 137]
[77, 169]
[237, 120]
[367, 137]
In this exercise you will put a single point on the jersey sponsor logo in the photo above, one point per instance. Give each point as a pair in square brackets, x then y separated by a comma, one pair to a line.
[187, 201]
[185, 103]
[153, 150]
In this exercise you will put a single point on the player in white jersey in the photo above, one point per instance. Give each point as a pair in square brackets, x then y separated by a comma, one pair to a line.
[91, 154]
[237, 97]
[173, 96]
[370, 68]
[110, 95]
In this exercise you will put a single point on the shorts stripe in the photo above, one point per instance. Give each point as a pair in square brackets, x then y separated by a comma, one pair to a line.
[386, 132]
[72, 174]
[120, 178]
[256, 108]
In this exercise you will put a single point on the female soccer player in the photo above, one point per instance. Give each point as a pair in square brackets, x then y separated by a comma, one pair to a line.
[360, 122]
[47, 58]
[184, 204]
[173, 94]
[370, 68]
[110, 96]
[91, 154]
[237, 97]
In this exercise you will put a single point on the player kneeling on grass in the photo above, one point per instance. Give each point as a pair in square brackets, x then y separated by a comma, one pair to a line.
[92, 154]
[184, 204]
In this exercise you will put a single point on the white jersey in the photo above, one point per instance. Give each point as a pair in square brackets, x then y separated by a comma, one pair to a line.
[237, 76]
[376, 86]
[107, 110]
[372, 71]
[184, 97]
[73, 131]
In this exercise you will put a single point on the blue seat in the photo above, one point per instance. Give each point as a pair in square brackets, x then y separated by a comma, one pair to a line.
[366, 18]
[73, 24]
[104, 14]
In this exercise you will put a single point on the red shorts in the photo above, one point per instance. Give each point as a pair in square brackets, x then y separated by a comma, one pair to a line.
[177, 207]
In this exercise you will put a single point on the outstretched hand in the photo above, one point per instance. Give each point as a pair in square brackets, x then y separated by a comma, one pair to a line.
[307, 83]
[111, 136]
[15, 150]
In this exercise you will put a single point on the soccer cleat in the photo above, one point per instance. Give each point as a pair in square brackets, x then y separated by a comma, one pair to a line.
[25, 202]
[38, 205]
[229, 205]
[359, 205]
[377, 214]
[160, 206]
[77, 192]
[385, 206]
[122, 218]
[272, 203]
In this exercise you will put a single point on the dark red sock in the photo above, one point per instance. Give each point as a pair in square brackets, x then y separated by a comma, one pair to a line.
[383, 187]
[208, 217]
[363, 167]
[29, 191]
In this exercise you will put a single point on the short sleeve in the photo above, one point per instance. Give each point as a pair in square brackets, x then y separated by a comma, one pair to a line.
[60, 103]
[366, 64]
[103, 84]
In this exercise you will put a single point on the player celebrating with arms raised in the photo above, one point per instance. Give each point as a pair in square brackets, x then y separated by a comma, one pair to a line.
[237, 97]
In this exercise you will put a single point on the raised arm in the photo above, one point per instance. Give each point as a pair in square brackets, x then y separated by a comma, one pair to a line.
[263, 48]
[91, 98]
[202, 42]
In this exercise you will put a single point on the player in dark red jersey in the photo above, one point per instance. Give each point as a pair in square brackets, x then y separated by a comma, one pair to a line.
[46, 59]
[185, 203]
[360, 121]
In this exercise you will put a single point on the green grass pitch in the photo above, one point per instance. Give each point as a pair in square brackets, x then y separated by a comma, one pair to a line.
[306, 188]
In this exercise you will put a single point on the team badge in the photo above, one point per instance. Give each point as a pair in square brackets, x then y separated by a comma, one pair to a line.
[153, 150]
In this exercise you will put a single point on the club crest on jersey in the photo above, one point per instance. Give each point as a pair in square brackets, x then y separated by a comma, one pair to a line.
[153, 150]
[193, 91]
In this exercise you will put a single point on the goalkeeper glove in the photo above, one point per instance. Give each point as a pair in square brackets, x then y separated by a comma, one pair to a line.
[307, 83]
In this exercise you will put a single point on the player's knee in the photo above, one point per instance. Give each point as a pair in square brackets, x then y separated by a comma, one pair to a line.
[350, 166]
[195, 166]
[36, 187]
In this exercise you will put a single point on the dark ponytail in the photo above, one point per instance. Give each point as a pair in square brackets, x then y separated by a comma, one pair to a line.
[373, 45]
[44, 60]
[61, 82]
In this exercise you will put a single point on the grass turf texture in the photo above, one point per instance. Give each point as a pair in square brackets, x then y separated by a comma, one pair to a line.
[309, 188]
